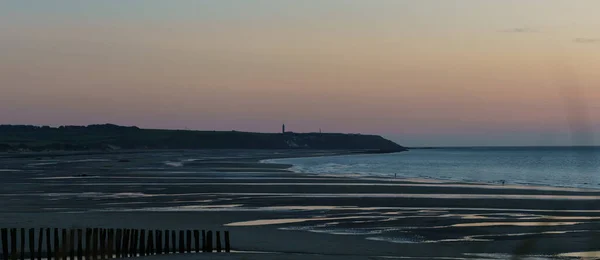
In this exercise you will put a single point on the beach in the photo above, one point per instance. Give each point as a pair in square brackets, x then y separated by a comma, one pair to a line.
[273, 213]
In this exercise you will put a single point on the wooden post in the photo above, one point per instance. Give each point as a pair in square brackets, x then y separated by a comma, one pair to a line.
[204, 243]
[79, 244]
[94, 244]
[48, 244]
[88, 243]
[63, 247]
[181, 242]
[98, 243]
[13, 243]
[111, 242]
[129, 244]
[122, 244]
[227, 242]
[134, 242]
[72, 244]
[219, 246]
[102, 244]
[138, 241]
[188, 240]
[23, 243]
[209, 241]
[159, 242]
[125, 244]
[197, 241]
[56, 245]
[143, 242]
[150, 245]
[118, 237]
[166, 248]
[40, 244]
[5, 255]
[174, 241]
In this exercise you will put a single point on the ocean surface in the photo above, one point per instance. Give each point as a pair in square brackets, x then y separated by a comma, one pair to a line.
[546, 166]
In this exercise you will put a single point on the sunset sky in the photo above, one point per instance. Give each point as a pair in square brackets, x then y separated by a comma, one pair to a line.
[421, 72]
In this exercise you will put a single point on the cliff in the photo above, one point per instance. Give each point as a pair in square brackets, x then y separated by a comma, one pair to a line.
[108, 137]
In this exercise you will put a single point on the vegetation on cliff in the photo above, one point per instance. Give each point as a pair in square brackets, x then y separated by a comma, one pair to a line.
[94, 137]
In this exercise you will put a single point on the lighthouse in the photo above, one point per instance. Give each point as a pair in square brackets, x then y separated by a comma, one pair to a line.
[283, 129]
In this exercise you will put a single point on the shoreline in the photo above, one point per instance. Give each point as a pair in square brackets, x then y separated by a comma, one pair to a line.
[431, 180]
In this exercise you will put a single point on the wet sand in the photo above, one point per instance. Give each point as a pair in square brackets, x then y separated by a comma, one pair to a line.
[277, 214]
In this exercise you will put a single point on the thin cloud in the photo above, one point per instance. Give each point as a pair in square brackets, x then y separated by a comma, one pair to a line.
[587, 40]
[520, 30]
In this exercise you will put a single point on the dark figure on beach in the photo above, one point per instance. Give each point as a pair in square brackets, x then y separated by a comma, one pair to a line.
[503, 181]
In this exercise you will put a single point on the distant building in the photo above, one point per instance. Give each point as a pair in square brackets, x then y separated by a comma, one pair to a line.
[283, 129]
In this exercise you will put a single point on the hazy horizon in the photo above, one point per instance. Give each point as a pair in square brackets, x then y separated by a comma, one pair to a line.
[422, 73]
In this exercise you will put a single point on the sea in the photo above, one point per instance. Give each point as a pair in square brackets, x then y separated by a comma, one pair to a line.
[577, 167]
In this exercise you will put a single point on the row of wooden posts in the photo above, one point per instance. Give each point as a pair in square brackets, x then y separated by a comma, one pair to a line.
[63, 244]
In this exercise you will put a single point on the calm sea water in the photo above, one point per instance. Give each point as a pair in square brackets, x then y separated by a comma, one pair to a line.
[548, 166]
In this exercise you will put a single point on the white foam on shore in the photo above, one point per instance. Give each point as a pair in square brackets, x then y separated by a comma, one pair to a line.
[515, 224]
[266, 222]
[91, 160]
[400, 240]
[176, 177]
[43, 164]
[188, 208]
[407, 210]
[228, 206]
[349, 231]
[98, 195]
[374, 195]
[174, 164]
[390, 184]
[531, 234]
[125, 203]
[66, 177]
[55, 162]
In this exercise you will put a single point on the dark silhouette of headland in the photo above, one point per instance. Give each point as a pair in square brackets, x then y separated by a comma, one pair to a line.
[114, 137]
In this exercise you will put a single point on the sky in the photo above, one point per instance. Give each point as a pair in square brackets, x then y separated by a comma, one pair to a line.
[420, 72]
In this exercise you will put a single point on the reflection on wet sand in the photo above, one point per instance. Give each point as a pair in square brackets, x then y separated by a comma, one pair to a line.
[582, 255]
[496, 236]
[562, 218]
[263, 222]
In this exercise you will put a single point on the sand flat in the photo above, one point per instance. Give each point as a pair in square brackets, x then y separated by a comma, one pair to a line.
[299, 216]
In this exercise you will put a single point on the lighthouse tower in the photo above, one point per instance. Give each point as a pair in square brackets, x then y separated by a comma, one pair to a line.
[283, 129]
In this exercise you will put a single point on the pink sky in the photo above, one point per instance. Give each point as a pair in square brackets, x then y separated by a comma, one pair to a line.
[419, 72]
